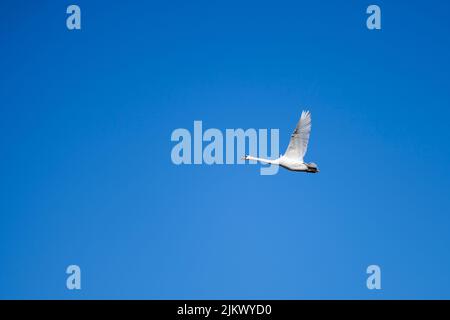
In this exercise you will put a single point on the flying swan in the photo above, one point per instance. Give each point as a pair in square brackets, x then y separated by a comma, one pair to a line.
[293, 158]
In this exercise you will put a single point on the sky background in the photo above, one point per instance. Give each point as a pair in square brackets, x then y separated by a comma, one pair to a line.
[86, 176]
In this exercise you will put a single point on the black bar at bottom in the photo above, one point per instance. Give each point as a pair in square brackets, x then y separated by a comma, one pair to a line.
[226, 309]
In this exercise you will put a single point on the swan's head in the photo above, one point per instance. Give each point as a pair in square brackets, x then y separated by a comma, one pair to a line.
[244, 157]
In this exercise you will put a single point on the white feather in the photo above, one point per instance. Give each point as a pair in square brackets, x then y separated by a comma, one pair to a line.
[300, 138]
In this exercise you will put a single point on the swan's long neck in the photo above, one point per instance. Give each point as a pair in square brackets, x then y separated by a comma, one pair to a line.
[262, 160]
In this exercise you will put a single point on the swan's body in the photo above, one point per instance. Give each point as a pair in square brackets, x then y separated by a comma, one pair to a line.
[293, 158]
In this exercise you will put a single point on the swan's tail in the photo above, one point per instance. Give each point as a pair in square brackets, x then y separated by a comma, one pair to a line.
[312, 167]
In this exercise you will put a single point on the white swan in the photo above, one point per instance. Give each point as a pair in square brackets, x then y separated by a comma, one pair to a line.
[293, 158]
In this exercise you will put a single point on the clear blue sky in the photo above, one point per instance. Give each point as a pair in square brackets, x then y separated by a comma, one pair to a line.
[86, 176]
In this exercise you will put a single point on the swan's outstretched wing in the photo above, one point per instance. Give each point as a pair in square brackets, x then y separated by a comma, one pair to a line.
[299, 138]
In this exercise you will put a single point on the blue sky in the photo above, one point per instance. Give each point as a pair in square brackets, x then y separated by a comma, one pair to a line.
[87, 179]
